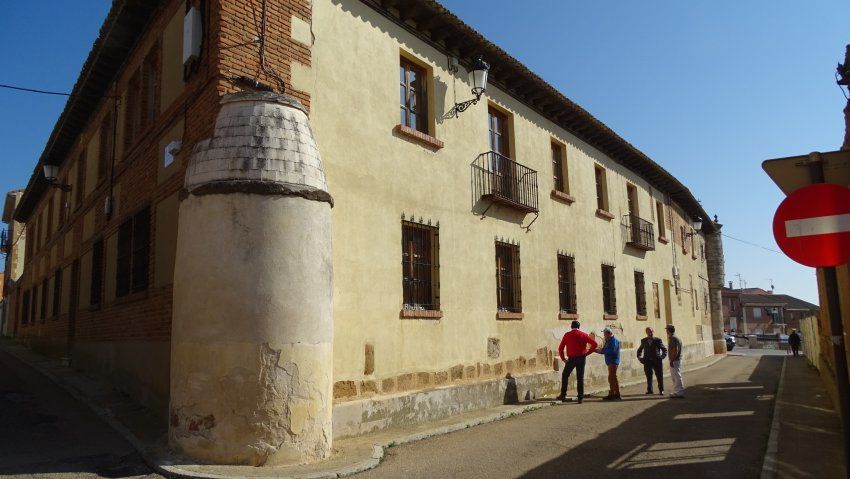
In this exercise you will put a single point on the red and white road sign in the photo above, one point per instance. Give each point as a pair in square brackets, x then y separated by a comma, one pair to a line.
[812, 225]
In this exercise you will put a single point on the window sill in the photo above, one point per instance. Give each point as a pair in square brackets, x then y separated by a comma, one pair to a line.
[567, 316]
[565, 197]
[641, 317]
[662, 239]
[420, 314]
[507, 315]
[418, 136]
[609, 317]
[604, 214]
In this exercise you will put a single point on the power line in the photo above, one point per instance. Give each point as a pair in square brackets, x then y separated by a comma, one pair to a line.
[752, 244]
[33, 90]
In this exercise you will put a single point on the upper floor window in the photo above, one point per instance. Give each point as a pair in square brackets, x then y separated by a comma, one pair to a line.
[662, 230]
[420, 250]
[508, 285]
[567, 284]
[133, 254]
[559, 168]
[414, 99]
[498, 130]
[631, 195]
[601, 188]
[609, 291]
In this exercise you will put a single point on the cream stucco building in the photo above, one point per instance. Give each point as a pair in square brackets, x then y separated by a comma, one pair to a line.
[352, 255]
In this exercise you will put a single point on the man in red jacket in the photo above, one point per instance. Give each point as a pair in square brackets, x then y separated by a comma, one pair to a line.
[578, 345]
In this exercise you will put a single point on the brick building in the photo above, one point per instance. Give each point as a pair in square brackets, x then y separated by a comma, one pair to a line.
[181, 247]
[12, 244]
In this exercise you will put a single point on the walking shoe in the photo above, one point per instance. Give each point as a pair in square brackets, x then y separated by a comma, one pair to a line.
[561, 398]
[649, 391]
[660, 393]
[609, 398]
[579, 399]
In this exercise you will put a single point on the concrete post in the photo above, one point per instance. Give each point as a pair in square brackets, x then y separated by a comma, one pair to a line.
[252, 332]
[716, 278]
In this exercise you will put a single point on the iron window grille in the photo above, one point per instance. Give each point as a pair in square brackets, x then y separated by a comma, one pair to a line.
[95, 294]
[508, 279]
[567, 284]
[57, 292]
[609, 293]
[640, 293]
[420, 259]
[133, 254]
[414, 105]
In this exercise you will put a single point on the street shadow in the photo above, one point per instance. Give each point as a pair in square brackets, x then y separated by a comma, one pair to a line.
[714, 432]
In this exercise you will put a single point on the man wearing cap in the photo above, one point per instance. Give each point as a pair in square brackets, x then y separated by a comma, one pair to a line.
[611, 350]
[675, 348]
[578, 345]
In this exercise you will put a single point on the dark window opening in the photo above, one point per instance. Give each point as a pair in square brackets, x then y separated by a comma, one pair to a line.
[420, 246]
[508, 279]
[567, 284]
[133, 254]
[640, 294]
[413, 95]
[609, 293]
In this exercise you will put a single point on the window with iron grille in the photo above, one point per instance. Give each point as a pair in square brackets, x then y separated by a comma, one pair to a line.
[414, 100]
[95, 294]
[609, 292]
[420, 259]
[133, 254]
[25, 308]
[640, 293]
[43, 312]
[508, 279]
[57, 292]
[567, 284]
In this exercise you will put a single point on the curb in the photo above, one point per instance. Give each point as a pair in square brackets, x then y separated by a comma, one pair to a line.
[769, 468]
[378, 451]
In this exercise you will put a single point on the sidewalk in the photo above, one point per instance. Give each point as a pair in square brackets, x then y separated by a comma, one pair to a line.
[806, 439]
[147, 433]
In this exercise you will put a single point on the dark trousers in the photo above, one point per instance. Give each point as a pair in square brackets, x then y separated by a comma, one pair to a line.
[577, 363]
[653, 366]
[795, 348]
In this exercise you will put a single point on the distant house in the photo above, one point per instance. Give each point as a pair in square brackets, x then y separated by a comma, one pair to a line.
[772, 313]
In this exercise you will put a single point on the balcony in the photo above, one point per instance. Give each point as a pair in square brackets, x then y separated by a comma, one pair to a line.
[501, 180]
[640, 233]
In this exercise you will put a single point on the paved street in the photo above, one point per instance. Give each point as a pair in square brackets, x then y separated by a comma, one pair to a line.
[44, 432]
[719, 430]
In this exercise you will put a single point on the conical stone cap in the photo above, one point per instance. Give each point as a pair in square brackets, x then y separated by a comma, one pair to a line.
[262, 144]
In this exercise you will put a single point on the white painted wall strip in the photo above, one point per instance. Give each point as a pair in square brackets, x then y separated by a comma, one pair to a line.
[820, 225]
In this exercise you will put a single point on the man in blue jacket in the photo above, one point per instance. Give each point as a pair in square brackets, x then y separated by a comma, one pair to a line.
[611, 350]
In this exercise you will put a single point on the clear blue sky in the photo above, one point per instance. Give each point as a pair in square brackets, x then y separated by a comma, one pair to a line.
[707, 89]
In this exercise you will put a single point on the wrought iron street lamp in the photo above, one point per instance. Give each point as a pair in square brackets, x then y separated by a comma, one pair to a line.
[51, 172]
[479, 71]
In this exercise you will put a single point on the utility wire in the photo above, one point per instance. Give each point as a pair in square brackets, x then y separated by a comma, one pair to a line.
[751, 244]
[33, 90]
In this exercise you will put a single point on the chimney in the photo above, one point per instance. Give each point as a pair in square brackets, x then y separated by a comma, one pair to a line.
[730, 285]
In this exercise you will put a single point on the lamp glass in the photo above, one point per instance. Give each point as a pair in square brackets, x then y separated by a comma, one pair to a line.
[480, 68]
[698, 225]
[50, 172]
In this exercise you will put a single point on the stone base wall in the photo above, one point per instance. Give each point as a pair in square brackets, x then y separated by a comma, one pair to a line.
[383, 411]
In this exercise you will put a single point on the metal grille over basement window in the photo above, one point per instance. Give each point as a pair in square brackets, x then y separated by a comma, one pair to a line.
[508, 279]
[640, 293]
[567, 284]
[609, 292]
[420, 247]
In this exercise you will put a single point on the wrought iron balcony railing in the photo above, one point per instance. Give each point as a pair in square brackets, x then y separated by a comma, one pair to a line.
[499, 179]
[639, 232]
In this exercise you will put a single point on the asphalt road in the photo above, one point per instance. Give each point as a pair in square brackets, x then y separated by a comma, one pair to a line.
[719, 431]
[44, 432]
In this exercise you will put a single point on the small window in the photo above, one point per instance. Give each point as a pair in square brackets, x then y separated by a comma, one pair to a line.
[414, 99]
[133, 254]
[95, 294]
[25, 308]
[420, 249]
[567, 284]
[508, 280]
[105, 151]
[640, 294]
[559, 168]
[57, 292]
[659, 209]
[609, 292]
[756, 313]
[498, 130]
[601, 188]
[631, 195]
[42, 314]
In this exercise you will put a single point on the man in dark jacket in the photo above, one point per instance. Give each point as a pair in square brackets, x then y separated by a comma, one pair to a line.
[651, 353]
[794, 341]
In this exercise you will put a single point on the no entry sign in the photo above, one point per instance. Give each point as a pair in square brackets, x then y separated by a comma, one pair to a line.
[812, 225]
